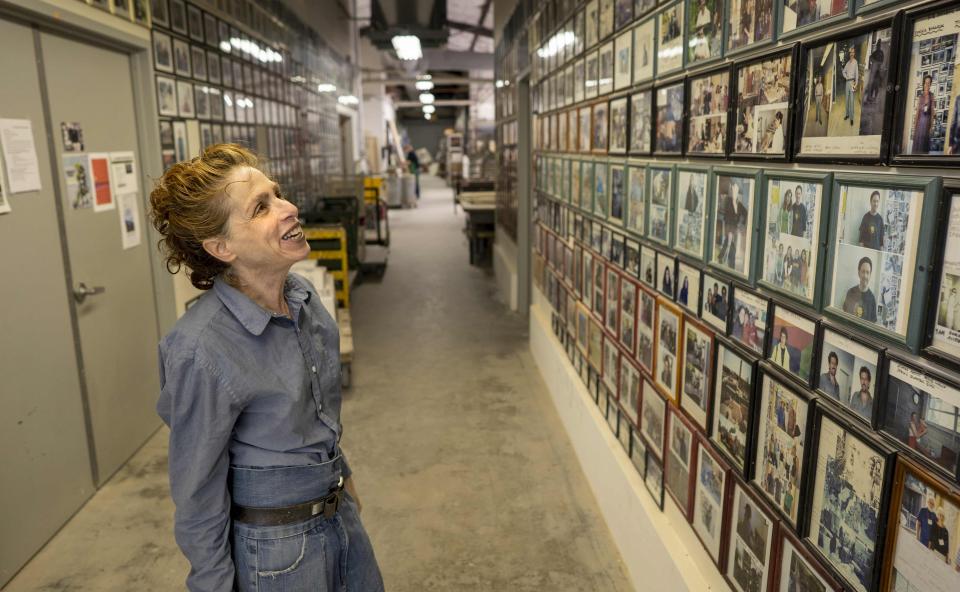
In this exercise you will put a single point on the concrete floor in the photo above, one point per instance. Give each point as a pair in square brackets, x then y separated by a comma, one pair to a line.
[467, 478]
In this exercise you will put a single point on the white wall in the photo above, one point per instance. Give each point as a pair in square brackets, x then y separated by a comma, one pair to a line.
[505, 268]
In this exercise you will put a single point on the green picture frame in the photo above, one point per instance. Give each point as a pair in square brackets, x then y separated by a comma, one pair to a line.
[658, 229]
[719, 255]
[682, 239]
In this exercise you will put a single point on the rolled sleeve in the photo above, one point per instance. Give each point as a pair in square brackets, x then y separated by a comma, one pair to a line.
[201, 411]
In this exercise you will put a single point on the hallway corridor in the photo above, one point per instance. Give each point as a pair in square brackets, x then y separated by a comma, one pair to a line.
[467, 478]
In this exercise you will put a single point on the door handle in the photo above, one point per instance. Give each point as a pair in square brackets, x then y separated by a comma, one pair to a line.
[81, 292]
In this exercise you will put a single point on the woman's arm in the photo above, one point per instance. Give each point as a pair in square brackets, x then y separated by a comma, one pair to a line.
[201, 412]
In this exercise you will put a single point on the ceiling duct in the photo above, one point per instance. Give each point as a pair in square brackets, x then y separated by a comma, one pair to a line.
[426, 19]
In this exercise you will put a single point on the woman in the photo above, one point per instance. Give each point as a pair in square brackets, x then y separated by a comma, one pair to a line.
[923, 118]
[250, 387]
[684, 291]
[916, 430]
[804, 270]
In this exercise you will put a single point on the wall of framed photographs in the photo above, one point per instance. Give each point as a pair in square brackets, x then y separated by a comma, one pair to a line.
[248, 72]
[747, 236]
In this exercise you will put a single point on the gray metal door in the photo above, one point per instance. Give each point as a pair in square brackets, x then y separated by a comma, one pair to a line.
[45, 471]
[117, 328]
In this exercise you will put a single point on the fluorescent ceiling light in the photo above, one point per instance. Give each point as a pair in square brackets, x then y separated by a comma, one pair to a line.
[427, 116]
[348, 100]
[426, 98]
[326, 87]
[429, 108]
[424, 85]
[407, 47]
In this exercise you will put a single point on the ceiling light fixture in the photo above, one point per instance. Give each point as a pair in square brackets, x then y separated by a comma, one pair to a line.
[348, 100]
[326, 87]
[427, 116]
[424, 85]
[426, 98]
[429, 109]
[407, 47]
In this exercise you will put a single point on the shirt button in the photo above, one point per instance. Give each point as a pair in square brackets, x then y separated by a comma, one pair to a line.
[313, 369]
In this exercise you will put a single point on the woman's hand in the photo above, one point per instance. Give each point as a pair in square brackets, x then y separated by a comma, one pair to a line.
[352, 490]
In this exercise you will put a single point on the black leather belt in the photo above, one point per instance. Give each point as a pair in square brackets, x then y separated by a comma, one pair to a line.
[326, 505]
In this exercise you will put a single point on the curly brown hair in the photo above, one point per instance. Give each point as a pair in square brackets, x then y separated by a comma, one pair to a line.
[188, 206]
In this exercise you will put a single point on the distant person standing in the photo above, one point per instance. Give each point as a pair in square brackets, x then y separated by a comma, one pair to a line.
[413, 163]
[851, 73]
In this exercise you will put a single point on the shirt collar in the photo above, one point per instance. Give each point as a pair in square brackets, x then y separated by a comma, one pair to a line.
[251, 315]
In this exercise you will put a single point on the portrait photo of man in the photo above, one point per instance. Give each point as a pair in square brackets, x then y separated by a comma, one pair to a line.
[860, 300]
[828, 380]
[871, 225]
[785, 355]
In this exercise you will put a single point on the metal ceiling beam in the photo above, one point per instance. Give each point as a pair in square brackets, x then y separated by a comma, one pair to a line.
[437, 103]
[483, 16]
[476, 29]
[436, 80]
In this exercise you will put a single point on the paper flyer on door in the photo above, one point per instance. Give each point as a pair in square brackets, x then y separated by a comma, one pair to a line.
[99, 170]
[19, 155]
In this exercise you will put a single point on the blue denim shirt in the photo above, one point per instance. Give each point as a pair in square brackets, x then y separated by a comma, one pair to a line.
[245, 387]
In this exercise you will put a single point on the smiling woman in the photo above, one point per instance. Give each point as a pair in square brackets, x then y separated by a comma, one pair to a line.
[250, 387]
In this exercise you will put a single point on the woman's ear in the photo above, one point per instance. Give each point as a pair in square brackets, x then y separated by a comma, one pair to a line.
[217, 247]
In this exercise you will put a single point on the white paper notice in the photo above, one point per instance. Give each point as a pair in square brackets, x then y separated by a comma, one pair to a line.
[19, 155]
[129, 220]
[123, 172]
[4, 201]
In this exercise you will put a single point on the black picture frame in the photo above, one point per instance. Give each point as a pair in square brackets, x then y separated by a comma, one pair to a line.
[654, 479]
[805, 379]
[667, 87]
[754, 503]
[908, 22]
[689, 113]
[884, 453]
[793, 52]
[195, 23]
[853, 346]
[748, 338]
[747, 370]
[710, 280]
[944, 262]
[888, 90]
[636, 118]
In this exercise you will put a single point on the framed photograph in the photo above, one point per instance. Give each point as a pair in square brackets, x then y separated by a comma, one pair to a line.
[849, 372]
[631, 258]
[797, 570]
[749, 324]
[185, 104]
[708, 101]
[624, 428]
[944, 332]
[181, 58]
[646, 310]
[792, 342]
[622, 14]
[605, 82]
[670, 39]
[198, 58]
[844, 106]
[606, 18]
[715, 306]
[688, 287]
[654, 478]
[850, 475]
[750, 548]
[587, 280]
[576, 187]
[591, 87]
[213, 67]
[635, 206]
[641, 116]
[585, 129]
[611, 364]
[210, 29]
[619, 123]
[792, 248]
[710, 497]
[592, 34]
[697, 371]
[763, 104]
[628, 315]
[159, 14]
[749, 24]
[800, 15]
[601, 128]
[920, 410]
[733, 403]
[693, 193]
[667, 275]
[924, 521]
[630, 380]
[678, 464]
[782, 432]
[195, 23]
[178, 16]
[618, 181]
[644, 50]
[612, 307]
[601, 193]
[623, 60]
[667, 351]
[612, 413]
[704, 31]
[583, 328]
[653, 413]
[660, 203]
[579, 79]
[927, 124]
[878, 267]
[598, 283]
[573, 136]
[595, 345]
[669, 123]
[162, 52]
[638, 453]
[648, 266]
[733, 221]
[166, 96]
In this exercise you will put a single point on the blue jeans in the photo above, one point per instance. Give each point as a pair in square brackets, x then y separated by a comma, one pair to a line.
[319, 554]
[850, 99]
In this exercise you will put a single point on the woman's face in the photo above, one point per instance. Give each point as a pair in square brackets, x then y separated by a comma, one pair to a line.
[264, 233]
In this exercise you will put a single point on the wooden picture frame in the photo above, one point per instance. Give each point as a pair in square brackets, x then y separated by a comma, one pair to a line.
[668, 349]
[797, 568]
[750, 524]
[711, 502]
[679, 460]
[696, 392]
[734, 404]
